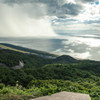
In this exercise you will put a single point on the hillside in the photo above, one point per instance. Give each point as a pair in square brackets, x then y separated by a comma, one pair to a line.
[10, 55]
[45, 75]
[26, 50]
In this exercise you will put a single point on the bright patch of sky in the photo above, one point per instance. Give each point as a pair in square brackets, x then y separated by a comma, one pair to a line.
[91, 12]
[91, 42]
[87, 21]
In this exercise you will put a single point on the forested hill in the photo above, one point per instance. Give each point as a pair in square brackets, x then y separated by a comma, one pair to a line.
[44, 75]
[27, 50]
[11, 58]
[11, 55]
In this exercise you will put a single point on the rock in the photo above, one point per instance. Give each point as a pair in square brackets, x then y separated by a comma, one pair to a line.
[65, 96]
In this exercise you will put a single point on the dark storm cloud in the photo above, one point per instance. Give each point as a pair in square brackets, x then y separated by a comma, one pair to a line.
[92, 21]
[86, 0]
[44, 1]
[59, 8]
[71, 9]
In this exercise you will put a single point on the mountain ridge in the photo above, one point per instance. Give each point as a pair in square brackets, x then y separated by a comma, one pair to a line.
[32, 56]
[26, 50]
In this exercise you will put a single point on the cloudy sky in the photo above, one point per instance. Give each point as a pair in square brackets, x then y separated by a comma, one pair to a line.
[76, 21]
[49, 17]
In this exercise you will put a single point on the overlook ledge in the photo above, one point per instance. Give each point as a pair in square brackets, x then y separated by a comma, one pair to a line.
[65, 96]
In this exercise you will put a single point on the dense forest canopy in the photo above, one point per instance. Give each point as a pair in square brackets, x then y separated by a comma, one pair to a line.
[43, 76]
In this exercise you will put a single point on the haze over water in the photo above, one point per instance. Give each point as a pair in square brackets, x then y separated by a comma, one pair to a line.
[84, 47]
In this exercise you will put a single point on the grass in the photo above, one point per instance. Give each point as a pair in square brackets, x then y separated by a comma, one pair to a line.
[15, 97]
[21, 51]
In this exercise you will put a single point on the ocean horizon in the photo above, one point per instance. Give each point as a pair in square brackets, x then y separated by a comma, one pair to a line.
[74, 46]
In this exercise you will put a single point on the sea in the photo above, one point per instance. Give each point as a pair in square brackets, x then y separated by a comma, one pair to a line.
[78, 47]
[43, 44]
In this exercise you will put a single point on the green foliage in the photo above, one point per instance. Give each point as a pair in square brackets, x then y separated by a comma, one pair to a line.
[43, 76]
[2, 85]
[37, 52]
[38, 88]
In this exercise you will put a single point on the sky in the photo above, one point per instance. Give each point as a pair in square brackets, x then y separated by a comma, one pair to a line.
[49, 17]
[77, 21]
